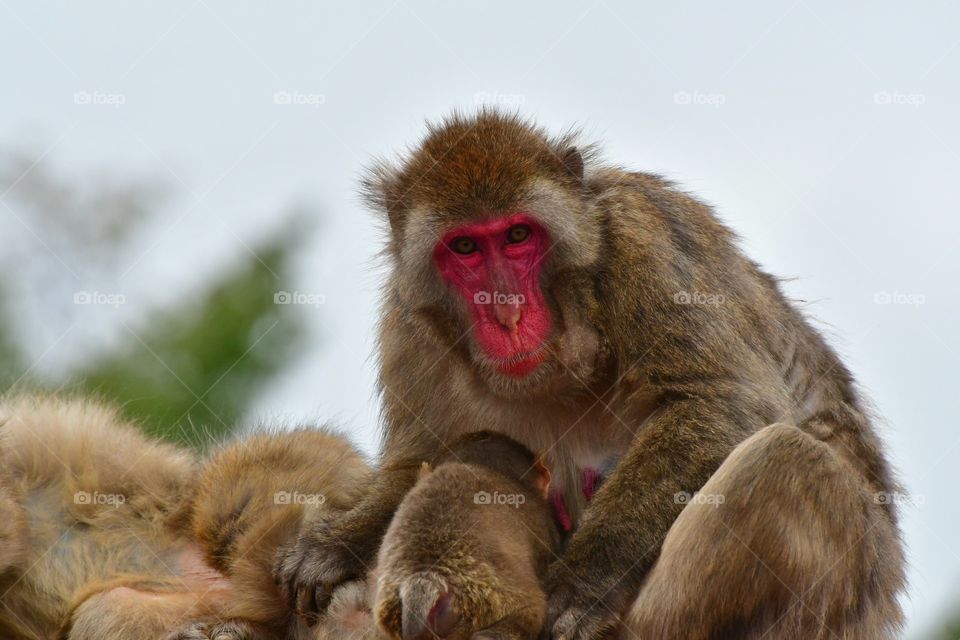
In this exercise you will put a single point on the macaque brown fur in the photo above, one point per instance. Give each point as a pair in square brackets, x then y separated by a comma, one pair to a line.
[609, 319]
[349, 615]
[464, 554]
[108, 535]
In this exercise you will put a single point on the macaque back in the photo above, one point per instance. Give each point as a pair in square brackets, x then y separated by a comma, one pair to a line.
[106, 534]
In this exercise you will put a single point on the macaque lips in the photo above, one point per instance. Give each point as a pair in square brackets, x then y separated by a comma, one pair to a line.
[495, 265]
[522, 364]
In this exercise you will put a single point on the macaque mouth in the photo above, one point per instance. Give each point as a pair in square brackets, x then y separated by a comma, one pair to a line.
[521, 364]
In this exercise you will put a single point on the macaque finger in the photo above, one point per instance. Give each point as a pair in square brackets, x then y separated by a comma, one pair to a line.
[322, 595]
[306, 606]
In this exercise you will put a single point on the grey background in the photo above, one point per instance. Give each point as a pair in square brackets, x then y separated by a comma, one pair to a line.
[825, 133]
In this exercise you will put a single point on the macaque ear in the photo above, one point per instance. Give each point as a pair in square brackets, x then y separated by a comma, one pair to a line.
[425, 470]
[379, 190]
[543, 476]
[572, 161]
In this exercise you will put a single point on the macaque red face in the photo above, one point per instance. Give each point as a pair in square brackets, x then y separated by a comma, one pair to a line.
[495, 266]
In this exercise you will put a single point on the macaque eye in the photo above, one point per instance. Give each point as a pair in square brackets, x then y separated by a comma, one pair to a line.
[464, 245]
[518, 233]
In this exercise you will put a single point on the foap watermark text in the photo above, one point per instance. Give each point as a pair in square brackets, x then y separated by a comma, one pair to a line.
[115, 500]
[510, 499]
[295, 497]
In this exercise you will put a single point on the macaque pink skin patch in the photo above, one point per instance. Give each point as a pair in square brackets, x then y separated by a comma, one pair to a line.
[590, 482]
[590, 479]
[500, 282]
[560, 511]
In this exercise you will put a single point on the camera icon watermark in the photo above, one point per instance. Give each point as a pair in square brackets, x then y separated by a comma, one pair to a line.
[99, 298]
[899, 499]
[899, 98]
[299, 298]
[497, 297]
[297, 98]
[99, 98]
[496, 498]
[899, 298]
[699, 98]
[297, 498]
[115, 500]
[699, 297]
[712, 499]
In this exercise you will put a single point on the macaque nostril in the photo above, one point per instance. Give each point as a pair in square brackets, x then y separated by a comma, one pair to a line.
[508, 315]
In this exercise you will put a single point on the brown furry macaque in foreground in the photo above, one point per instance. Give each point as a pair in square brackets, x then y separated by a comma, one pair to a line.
[107, 535]
[609, 319]
[466, 549]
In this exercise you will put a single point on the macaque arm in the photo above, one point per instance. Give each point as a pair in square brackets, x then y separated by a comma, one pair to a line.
[372, 515]
[792, 552]
[330, 552]
[672, 456]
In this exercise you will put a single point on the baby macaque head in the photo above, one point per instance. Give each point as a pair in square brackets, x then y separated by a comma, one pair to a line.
[463, 556]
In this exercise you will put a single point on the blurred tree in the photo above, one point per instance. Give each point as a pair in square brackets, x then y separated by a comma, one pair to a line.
[192, 371]
[950, 630]
[187, 371]
[11, 360]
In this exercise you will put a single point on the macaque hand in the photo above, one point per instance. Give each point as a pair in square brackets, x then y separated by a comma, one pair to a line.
[577, 609]
[324, 556]
[230, 630]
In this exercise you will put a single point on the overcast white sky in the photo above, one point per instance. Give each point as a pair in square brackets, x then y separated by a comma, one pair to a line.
[825, 133]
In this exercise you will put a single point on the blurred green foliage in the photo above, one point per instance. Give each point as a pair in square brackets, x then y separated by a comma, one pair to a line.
[187, 371]
[191, 372]
[11, 362]
[949, 631]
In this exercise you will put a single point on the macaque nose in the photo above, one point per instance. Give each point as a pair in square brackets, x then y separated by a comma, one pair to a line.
[508, 315]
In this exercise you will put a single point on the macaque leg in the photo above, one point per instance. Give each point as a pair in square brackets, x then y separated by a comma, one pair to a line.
[785, 541]
[168, 609]
[130, 609]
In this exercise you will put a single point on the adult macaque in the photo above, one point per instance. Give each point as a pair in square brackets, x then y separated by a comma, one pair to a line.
[609, 319]
[107, 535]
[464, 554]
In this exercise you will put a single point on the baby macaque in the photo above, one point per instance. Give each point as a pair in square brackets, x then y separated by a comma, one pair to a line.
[106, 534]
[465, 552]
